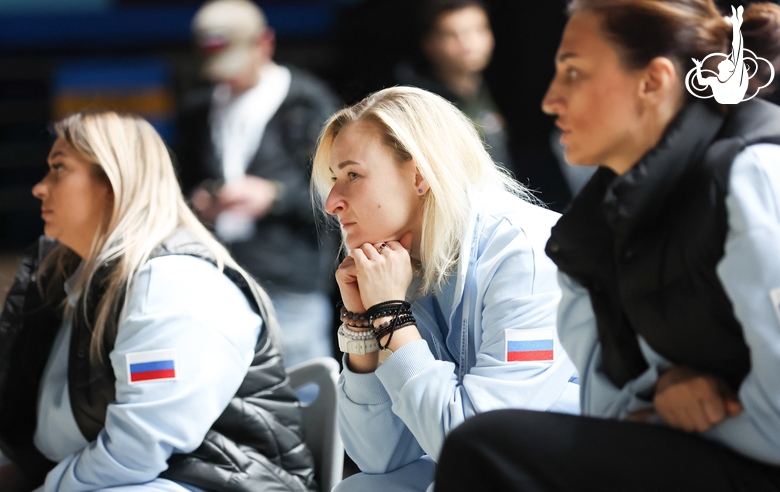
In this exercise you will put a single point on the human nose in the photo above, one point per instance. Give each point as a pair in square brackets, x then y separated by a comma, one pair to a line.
[40, 190]
[553, 99]
[334, 204]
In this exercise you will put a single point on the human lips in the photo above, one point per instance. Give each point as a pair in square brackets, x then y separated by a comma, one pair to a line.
[45, 212]
[565, 131]
[345, 225]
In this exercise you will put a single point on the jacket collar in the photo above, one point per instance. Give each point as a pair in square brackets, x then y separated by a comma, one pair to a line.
[633, 200]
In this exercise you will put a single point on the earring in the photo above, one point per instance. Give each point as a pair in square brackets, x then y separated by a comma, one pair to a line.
[419, 190]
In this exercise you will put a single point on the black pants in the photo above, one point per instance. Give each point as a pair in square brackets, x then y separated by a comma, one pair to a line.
[517, 450]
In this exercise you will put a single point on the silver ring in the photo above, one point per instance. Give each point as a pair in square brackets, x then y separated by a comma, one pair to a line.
[381, 248]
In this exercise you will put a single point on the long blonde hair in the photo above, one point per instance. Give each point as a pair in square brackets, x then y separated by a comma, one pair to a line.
[148, 206]
[449, 154]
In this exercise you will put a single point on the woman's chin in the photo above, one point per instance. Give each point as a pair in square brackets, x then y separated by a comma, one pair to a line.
[579, 158]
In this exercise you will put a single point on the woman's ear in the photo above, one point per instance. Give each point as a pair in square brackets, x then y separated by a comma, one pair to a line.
[421, 185]
[659, 80]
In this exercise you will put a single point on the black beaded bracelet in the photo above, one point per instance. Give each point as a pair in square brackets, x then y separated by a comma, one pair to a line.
[388, 308]
[393, 324]
[390, 327]
[355, 320]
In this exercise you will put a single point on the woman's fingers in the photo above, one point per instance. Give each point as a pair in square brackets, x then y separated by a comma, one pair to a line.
[406, 241]
[384, 271]
[690, 401]
[346, 273]
[398, 246]
[733, 407]
[359, 255]
[346, 267]
[713, 407]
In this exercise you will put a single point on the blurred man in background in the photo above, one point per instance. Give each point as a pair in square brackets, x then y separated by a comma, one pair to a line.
[245, 148]
[457, 44]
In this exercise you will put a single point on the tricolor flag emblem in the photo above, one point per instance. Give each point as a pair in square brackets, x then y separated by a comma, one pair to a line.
[154, 365]
[534, 344]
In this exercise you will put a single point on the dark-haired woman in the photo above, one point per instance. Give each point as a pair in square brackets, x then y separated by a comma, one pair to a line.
[668, 265]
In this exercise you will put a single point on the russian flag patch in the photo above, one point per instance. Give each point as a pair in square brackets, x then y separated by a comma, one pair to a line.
[535, 344]
[153, 365]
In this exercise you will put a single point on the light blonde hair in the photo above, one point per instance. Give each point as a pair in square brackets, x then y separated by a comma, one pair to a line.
[449, 154]
[148, 206]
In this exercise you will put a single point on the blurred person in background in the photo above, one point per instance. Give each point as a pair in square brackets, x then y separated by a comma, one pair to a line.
[135, 353]
[445, 274]
[457, 43]
[245, 151]
[668, 266]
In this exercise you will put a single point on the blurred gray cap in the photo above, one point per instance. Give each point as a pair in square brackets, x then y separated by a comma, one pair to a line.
[226, 32]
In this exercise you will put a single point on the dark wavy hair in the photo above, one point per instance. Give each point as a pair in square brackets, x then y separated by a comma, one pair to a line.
[681, 30]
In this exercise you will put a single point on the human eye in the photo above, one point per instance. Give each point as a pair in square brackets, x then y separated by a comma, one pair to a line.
[352, 176]
[572, 73]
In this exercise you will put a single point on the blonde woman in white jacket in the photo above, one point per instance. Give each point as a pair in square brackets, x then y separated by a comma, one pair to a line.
[429, 218]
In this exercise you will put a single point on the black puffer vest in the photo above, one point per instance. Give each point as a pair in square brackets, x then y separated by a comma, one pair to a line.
[646, 245]
[255, 445]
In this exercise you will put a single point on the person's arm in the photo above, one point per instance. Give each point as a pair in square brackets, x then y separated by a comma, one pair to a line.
[750, 274]
[180, 304]
[579, 336]
[374, 437]
[513, 288]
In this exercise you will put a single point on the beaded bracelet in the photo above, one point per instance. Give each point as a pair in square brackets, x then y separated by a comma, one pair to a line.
[388, 327]
[394, 325]
[355, 335]
[388, 308]
[356, 342]
[349, 318]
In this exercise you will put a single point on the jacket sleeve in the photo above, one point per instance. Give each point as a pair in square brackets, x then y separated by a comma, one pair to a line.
[374, 437]
[171, 307]
[579, 335]
[750, 274]
[513, 287]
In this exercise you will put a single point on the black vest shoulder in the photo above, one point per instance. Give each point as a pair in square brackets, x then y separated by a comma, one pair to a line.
[646, 245]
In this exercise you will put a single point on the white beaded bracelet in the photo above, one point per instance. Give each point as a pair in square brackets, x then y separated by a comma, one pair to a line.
[356, 342]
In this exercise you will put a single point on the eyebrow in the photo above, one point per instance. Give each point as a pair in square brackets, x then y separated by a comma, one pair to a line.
[346, 163]
[565, 56]
[56, 154]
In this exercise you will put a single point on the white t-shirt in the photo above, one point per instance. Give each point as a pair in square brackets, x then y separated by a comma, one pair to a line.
[237, 127]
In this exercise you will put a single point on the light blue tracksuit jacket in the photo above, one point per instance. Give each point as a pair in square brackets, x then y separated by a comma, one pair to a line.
[504, 285]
